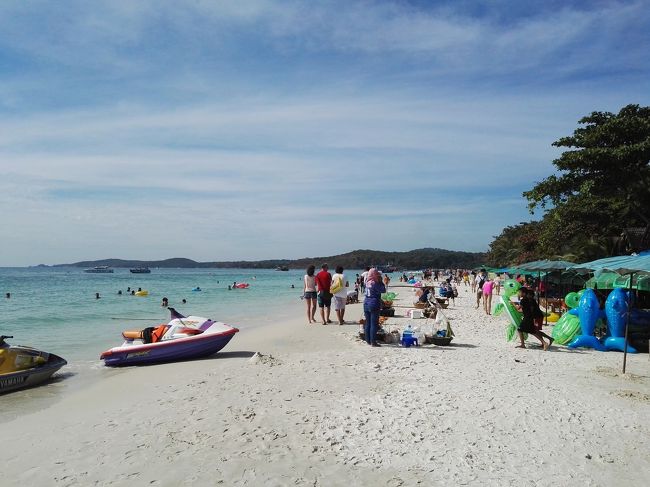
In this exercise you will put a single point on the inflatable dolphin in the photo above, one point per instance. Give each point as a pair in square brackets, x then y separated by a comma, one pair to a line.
[616, 310]
[589, 312]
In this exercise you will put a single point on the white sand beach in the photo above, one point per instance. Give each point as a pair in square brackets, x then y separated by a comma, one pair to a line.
[321, 408]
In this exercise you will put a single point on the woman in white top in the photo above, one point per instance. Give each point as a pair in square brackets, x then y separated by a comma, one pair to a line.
[310, 293]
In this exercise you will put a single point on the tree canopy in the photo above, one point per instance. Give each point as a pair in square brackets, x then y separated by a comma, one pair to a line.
[609, 158]
[602, 186]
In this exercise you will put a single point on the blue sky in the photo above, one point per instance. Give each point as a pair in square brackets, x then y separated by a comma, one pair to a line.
[223, 130]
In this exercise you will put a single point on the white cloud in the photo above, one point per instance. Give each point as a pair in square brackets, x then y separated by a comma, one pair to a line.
[256, 125]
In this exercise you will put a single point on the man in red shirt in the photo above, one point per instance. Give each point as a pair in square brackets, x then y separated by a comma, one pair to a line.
[323, 283]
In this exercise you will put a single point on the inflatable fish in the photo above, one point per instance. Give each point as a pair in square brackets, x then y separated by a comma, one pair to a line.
[589, 312]
[616, 310]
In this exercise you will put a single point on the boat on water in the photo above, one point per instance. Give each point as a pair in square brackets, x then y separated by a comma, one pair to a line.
[140, 270]
[386, 269]
[183, 338]
[100, 269]
[282, 268]
[22, 367]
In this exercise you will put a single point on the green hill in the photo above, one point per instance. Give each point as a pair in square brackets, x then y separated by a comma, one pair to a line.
[357, 259]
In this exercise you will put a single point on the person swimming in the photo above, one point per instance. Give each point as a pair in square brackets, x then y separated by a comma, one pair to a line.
[165, 302]
[184, 301]
[97, 296]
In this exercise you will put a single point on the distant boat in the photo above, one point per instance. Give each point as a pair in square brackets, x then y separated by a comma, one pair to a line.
[100, 269]
[140, 270]
[386, 269]
[282, 268]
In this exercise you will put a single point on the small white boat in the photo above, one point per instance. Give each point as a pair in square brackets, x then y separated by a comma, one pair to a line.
[100, 269]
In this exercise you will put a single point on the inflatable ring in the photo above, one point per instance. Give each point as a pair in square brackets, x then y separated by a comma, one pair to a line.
[572, 300]
[552, 317]
[142, 293]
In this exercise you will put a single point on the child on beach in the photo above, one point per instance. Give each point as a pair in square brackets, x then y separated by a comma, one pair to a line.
[527, 306]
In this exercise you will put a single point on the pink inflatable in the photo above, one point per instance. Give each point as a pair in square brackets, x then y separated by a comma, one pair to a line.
[242, 285]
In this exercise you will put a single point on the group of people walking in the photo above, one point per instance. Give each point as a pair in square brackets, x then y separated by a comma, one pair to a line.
[321, 288]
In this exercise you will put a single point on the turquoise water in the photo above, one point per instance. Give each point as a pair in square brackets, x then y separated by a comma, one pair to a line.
[54, 309]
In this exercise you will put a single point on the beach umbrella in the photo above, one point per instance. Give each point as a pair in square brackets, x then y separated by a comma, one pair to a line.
[546, 265]
[625, 265]
[622, 264]
[542, 267]
[604, 280]
[641, 282]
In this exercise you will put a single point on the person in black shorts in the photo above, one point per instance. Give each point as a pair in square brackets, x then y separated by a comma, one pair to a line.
[323, 283]
[527, 305]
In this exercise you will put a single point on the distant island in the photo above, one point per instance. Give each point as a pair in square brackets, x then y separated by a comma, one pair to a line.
[357, 259]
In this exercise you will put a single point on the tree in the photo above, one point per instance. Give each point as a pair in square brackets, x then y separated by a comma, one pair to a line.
[609, 160]
[516, 244]
[602, 187]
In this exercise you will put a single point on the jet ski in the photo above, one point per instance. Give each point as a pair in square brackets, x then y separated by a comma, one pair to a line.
[183, 338]
[22, 367]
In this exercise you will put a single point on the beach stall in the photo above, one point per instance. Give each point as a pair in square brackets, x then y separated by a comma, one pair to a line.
[625, 265]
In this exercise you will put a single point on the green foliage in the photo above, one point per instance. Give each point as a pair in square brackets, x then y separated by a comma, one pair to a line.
[602, 186]
[609, 159]
[516, 244]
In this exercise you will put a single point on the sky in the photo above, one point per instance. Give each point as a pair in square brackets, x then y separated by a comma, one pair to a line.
[261, 129]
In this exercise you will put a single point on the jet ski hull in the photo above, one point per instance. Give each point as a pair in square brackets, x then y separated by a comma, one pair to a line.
[21, 379]
[192, 347]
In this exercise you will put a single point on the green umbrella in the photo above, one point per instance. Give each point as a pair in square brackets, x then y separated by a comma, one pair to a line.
[639, 282]
[605, 280]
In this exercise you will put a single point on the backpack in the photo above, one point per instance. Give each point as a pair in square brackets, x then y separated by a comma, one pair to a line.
[480, 283]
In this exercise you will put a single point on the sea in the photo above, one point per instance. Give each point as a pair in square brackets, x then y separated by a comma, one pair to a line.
[55, 309]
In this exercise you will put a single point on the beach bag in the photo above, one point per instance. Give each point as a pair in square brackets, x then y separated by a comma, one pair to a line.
[337, 285]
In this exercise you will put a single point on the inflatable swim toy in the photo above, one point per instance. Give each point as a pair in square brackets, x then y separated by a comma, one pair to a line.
[553, 317]
[510, 288]
[241, 285]
[616, 310]
[566, 329]
[589, 312]
[196, 289]
[142, 293]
